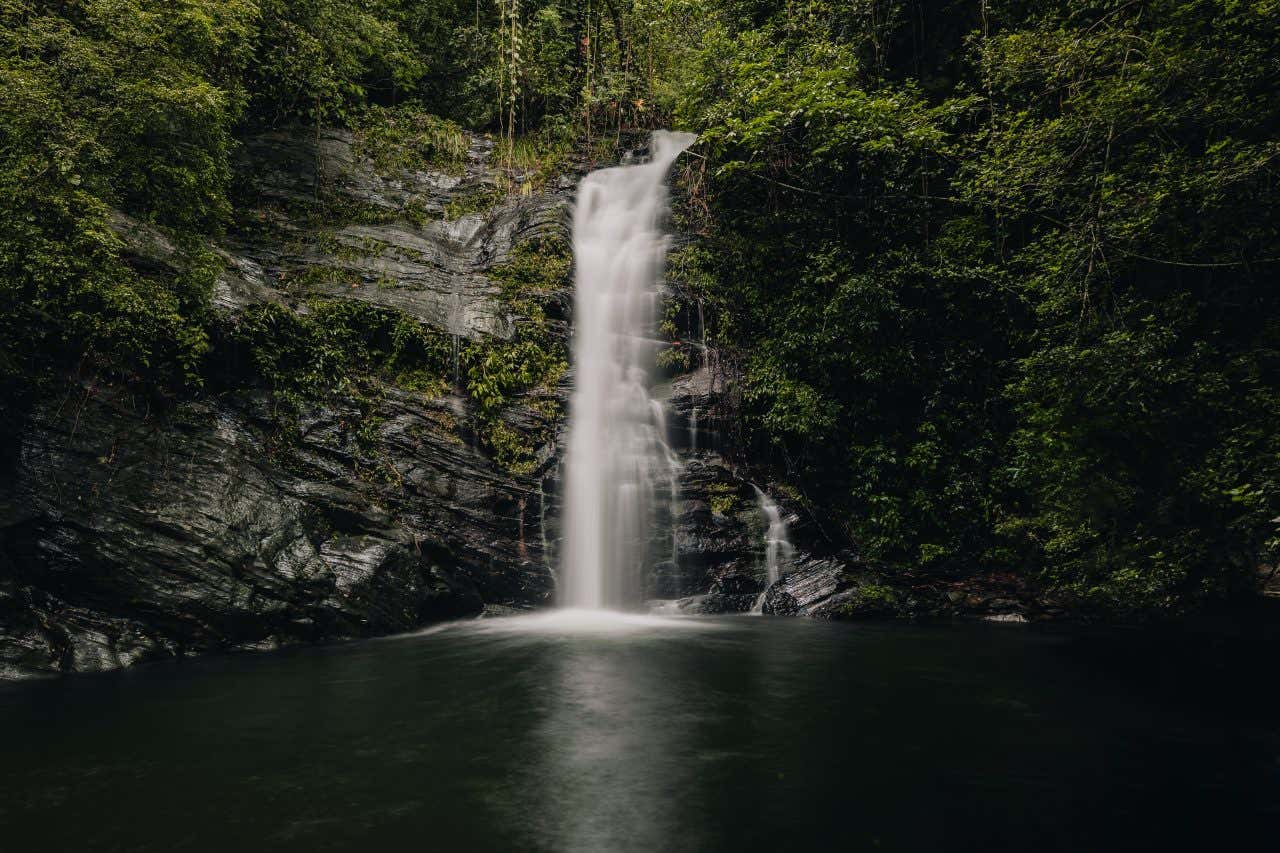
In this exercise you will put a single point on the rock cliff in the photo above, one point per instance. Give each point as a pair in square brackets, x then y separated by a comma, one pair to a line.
[129, 533]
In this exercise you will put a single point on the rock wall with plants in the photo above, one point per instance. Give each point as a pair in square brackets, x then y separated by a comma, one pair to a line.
[380, 397]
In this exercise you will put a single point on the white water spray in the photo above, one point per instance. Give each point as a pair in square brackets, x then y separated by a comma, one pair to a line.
[618, 457]
[777, 546]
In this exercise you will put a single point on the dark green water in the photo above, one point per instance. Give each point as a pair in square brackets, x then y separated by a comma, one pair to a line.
[731, 734]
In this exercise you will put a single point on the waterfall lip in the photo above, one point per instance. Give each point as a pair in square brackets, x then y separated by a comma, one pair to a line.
[665, 146]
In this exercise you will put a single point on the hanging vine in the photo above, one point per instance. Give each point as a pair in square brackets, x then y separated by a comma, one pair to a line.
[510, 40]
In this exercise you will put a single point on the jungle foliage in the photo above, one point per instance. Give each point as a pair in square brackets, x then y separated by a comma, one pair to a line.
[1010, 278]
[1000, 276]
[138, 106]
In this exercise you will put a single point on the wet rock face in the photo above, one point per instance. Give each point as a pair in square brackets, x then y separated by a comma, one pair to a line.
[363, 246]
[719, 536]
[721, 531]
[125, 538]
[835, 588]
[127, 535]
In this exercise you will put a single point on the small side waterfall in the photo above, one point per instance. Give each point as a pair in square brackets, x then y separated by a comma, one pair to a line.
[777, 546]
[618, 457]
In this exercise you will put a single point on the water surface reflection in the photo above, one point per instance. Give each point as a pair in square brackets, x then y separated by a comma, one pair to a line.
[572, 732]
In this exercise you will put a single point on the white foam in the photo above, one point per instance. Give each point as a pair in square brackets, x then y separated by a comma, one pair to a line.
[578, 622]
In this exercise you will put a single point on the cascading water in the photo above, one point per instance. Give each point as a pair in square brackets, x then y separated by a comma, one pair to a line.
[777, 546]
[618, 457]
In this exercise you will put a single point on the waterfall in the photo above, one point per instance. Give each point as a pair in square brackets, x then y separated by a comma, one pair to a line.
[618, 458]
[542, 524]
[702, 335]
[777, 546]
[457, 324]
[673, 470]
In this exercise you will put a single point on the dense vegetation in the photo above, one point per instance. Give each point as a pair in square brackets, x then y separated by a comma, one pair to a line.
[122, 111]
[999, 276]
[1011, 296]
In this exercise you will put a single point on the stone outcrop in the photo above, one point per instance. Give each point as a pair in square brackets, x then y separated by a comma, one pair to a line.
[126, 538]
[432, 269]
[128, 535]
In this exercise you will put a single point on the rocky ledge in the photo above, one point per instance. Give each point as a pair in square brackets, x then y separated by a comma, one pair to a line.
[129, 534]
